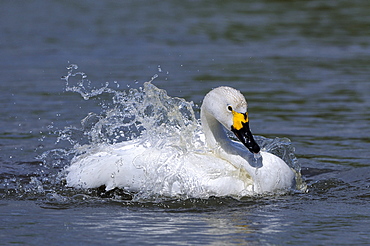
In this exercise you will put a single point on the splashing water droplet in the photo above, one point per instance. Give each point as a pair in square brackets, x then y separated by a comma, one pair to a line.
[257, 155]
[72, 66]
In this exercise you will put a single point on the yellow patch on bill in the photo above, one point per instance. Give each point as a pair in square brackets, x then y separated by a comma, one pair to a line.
[238, 119]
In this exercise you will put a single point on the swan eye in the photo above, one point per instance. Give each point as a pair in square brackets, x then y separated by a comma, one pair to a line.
[230, 108]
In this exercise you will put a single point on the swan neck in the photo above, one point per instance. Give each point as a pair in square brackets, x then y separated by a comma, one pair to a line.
[214, 131]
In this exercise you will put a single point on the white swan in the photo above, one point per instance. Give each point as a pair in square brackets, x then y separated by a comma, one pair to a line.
[228, 168]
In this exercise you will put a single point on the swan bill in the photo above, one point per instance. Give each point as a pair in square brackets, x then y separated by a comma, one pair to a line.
[242, 131]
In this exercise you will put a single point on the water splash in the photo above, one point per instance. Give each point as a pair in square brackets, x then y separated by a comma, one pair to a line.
[83, 86]
[281, 147]
[130, 114]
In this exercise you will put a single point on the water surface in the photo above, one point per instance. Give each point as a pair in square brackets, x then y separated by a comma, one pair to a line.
[303, 67]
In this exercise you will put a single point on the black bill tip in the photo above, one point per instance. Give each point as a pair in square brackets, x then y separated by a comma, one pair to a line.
[245, 136]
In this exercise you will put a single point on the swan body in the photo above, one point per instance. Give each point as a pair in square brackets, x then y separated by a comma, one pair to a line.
[227, 168]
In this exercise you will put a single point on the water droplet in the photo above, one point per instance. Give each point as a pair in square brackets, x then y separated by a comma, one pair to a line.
[72, 66]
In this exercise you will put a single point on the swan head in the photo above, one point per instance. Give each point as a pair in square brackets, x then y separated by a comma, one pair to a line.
[229, 107]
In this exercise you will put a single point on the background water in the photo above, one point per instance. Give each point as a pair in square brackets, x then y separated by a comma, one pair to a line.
[303, 66]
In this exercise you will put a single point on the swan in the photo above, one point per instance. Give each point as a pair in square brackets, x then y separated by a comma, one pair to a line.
[227, 168]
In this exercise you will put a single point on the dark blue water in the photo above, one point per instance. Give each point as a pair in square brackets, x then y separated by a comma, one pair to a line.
[303, 67]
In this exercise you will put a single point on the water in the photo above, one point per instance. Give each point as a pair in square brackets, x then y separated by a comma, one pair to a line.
[303, 67]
